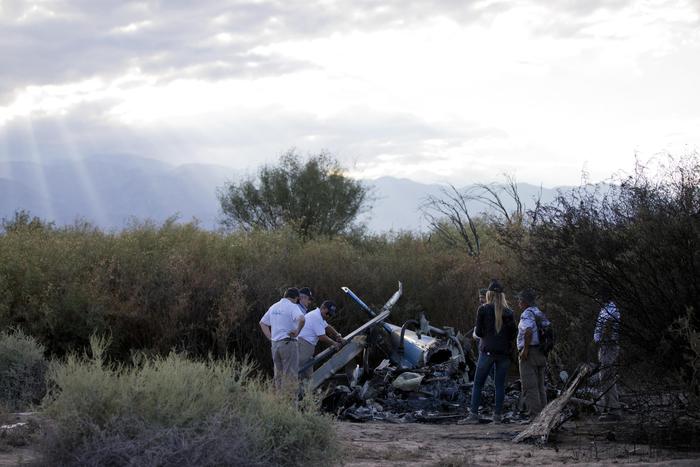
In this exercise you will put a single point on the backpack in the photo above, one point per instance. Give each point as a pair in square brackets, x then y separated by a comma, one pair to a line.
[545, 334]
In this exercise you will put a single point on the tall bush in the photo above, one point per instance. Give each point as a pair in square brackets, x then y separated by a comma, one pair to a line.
[22, 370]
[639, 241]
[155, 288]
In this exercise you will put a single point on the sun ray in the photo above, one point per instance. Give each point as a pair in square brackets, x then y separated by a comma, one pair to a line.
[41, 183]
[96, 208]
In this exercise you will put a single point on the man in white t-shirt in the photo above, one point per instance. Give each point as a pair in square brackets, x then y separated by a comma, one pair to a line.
[281, 324]
[317, 329]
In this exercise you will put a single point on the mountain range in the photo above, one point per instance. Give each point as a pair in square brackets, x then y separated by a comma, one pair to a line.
[112, 190]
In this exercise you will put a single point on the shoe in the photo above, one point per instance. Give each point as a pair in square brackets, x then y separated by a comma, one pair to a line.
[471, 419]
[497, 418]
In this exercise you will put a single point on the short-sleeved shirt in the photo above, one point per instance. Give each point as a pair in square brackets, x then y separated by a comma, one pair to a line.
[283, 318]
[609, 316]
[528, 321]
[314, 327]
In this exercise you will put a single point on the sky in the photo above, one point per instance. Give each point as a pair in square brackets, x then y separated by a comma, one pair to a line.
[434, 91]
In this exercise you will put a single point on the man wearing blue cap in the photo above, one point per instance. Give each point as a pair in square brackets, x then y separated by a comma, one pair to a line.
[305, 299]
[317, 329]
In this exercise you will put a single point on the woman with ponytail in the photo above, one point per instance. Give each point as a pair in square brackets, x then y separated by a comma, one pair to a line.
[495, 326]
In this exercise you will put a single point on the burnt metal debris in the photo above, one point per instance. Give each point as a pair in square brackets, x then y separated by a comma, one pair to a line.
[418, 372]
[415, 372]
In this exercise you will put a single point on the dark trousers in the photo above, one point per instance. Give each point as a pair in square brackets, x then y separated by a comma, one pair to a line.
[483, 367]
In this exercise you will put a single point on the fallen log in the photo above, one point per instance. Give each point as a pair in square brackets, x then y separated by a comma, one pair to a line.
[549, 419]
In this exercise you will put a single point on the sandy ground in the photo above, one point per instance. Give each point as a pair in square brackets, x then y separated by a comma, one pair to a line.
[17, 450]
[417, 445]
[449, 444]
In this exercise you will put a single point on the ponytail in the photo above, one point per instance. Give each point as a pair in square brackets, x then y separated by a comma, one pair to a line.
[498, 300]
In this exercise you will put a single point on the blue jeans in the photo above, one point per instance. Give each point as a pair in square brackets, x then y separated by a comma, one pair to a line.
[483, 368]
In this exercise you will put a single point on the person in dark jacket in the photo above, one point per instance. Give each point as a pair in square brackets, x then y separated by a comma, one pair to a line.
[495, 326]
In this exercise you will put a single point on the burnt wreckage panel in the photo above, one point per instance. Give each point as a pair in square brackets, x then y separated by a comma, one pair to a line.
[412, 372]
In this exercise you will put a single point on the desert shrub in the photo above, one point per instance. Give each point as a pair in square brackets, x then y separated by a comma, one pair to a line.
[639, 242]
[128, 441]
[176, 411]
[22, 370]
[46, 283]
[155, 288]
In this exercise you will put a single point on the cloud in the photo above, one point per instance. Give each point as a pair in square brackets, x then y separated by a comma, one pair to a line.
[433, 89]
[245, 140]
[106, 38]
[60, 41]
[54, 42]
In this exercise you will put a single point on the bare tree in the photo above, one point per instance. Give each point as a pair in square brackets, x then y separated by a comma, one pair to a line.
[449, 217]
[449, 213]
[491, 196]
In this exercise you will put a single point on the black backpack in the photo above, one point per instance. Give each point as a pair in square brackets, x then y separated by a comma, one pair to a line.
[545, 333]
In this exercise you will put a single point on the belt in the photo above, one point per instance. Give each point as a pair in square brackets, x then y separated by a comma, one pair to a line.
[287, 339]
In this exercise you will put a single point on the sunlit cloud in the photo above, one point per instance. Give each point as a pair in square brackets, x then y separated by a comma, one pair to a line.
[434, 91]
[131, 27]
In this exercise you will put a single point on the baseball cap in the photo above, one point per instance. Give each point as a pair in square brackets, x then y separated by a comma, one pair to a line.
[330, 306]
[495, 286]
[528, 296]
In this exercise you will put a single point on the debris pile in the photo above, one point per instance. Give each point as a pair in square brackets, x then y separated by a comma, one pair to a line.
[422, 375]
[437, 393]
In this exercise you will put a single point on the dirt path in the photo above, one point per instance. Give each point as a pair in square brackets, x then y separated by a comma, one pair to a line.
[451, 445]
[16, 444]
[417, 445]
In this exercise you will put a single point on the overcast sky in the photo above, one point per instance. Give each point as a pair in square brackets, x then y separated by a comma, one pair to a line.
[454, 91]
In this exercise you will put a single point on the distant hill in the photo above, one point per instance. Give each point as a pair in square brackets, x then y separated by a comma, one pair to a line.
[110, 190]
[398, 202]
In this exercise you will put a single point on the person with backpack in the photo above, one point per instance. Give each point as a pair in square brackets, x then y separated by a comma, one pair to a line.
[532, 358]
[495, 326]
[607, 337]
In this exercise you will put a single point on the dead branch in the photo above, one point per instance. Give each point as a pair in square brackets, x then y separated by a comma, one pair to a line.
[549, 419]
[449, 211]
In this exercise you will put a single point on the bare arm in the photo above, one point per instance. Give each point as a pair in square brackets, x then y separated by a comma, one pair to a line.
[299, 328]
[266, 330]
[329, 341]
[332, 333]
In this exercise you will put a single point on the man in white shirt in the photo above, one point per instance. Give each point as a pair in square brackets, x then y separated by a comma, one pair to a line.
[532, 362]
[606, 336]
[317, 329]
[281, 324]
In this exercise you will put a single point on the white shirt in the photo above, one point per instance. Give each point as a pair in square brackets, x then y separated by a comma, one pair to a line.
[608, 313]
[283, 317]
[527, 321]
[314, 327]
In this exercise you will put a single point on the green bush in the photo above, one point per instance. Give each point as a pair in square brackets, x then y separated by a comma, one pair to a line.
[22, 370]
[176, 411]
[155, 288]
